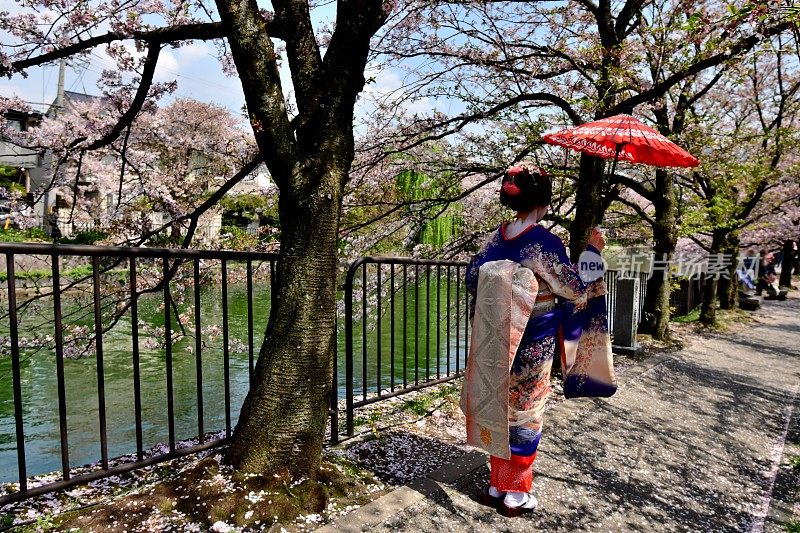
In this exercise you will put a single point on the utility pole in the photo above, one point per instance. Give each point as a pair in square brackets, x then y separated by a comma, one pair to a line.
[49, 216]
[62, 69]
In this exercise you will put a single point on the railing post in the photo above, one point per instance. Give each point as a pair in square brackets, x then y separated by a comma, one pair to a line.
[168, 349]
[101, 381]
[364, 327]
[334, 410]
[198, 353]
[59, 341]
[137, 386]
[348, 343]
[15, 373]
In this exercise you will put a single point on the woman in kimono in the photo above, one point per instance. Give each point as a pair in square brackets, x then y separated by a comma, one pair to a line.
[527, 190]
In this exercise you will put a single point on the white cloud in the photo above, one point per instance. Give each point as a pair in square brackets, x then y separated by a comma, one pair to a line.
[193, 52]
[167, 67]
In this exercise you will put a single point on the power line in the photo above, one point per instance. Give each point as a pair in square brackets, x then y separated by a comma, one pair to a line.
[105, 63]
[79, 78]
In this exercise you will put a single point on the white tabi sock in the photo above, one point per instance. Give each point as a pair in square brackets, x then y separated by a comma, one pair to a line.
[514, 499]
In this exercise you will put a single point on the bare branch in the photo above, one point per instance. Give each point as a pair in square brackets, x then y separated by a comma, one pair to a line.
[738, 48]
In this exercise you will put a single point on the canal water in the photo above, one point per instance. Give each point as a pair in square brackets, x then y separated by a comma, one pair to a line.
[424, 326]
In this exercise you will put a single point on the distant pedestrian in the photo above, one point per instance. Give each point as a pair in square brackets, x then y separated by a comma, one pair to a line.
[766, 272]
[55, 231]
[748, 271]
[523, 277]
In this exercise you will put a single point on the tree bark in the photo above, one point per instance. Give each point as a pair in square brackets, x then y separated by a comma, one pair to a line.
[727, 290]
[656, 312]
[283, 418]
[708, 308]
[589, 192]
[787, 263]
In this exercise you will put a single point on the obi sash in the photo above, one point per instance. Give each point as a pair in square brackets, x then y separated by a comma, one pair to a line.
[503, 304]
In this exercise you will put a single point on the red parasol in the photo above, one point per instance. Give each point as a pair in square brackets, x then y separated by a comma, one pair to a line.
[623, 137]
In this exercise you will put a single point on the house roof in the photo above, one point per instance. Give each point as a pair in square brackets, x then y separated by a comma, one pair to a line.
[71, 98]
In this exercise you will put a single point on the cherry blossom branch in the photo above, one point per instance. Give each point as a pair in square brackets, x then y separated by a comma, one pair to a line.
[129, 116]
[123, 163]
[462, 121]
[75, 187]
[212, 200]
[633, 185]
[200, 31]
[737, 48]
[639, 210]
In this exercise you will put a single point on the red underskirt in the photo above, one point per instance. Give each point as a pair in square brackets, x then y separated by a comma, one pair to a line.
[515, 474]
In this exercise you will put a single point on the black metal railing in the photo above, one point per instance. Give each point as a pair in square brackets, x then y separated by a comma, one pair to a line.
[433, 336]
[372, 289]
[121, 279]
[405, 327]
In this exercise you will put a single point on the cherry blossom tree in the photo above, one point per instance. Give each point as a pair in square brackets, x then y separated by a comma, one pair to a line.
[557, 64]
[308, 147]
[749, 184]
[167, 162]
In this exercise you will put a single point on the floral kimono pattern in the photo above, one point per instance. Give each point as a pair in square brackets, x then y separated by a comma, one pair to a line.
[566, 313]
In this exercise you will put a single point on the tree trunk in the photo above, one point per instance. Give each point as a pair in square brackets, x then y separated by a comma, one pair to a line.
[282, 422]
[727, 290]
[708, 308]
[589, 192]
[787, 262]
[285, 412]
[656, 312]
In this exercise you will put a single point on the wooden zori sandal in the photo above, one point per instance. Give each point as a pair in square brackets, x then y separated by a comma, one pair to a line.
[487, 499]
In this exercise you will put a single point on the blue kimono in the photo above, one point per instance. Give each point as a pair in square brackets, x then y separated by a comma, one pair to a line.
[553, 322]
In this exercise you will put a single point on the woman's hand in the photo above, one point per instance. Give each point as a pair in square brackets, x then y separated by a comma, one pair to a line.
[597, 240]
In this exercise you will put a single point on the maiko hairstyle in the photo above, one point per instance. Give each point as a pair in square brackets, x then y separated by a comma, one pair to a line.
[525, 187]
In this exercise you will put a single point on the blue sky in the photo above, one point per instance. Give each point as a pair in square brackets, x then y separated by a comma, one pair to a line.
[194, 66]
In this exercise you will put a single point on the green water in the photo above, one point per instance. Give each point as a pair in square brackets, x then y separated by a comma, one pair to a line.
[426, 336]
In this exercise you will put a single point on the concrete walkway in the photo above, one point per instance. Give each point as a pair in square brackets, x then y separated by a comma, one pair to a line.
[693, 441]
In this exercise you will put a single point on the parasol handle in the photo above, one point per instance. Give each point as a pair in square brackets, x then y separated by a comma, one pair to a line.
[614, 163]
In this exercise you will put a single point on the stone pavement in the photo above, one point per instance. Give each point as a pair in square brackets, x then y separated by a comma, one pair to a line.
[695, 440]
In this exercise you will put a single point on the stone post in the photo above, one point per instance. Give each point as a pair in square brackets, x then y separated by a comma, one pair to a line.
[626, 316]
